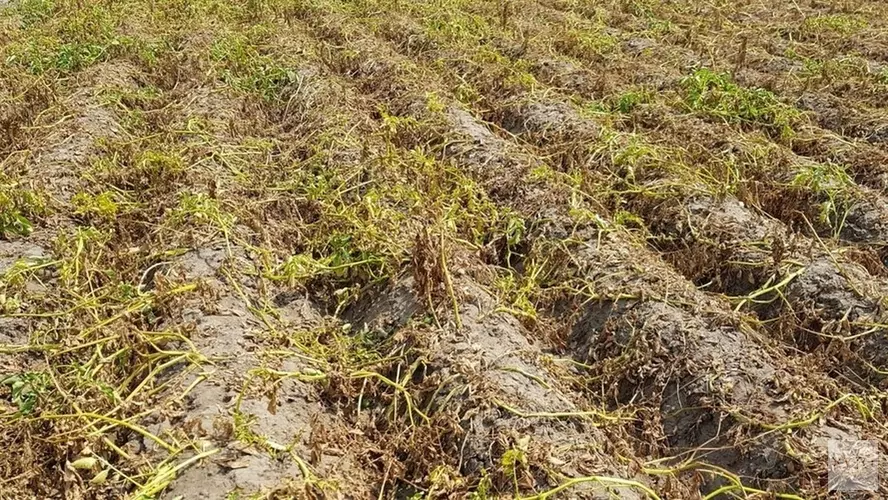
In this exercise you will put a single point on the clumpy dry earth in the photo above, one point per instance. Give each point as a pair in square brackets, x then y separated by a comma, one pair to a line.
[452, 249]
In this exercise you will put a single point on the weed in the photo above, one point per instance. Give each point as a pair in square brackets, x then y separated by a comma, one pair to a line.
[835, 24]
[836, 69]
[514, 460]
[520, 294]
[451, 26]
[484, 488]
[78, 38]
[833, 185]
[433, 104]
[40, 55]
[444, 479]
[199, 210]
[626, 102]
[242, 66]
[146, 173]
[586, 43]
[717, 96]
[103, 206]
[18, 206]
[628, 219]
[631, 151]
[35, 11]
[25, 390]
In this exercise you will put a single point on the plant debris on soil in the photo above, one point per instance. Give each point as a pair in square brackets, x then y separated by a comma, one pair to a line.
[427, 249]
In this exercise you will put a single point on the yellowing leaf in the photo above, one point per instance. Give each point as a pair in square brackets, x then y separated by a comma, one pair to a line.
[100, 478]
[84, 463]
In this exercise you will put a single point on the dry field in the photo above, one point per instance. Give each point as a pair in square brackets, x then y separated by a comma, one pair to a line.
[425, 249]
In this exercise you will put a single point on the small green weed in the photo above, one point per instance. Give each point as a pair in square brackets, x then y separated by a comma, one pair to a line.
[18, 206]
[835, 69]
[835, 24]
[241, 65]
[25, 389]
[456, 27]
[586, 43]
[199, 210]
[35, 11]
[67, 42]
[144, 174]
[103, 206]
[514, 460]
[832, 183]
[42, 54]
[629, 100]
[716, 95]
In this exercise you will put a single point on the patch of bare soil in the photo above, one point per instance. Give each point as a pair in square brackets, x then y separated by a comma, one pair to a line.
[731, 249]
[87, 120]
[716, 388]
[487, 376]
[225, 398]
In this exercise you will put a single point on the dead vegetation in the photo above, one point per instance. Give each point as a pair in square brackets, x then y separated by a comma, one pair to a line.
[496, 249]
